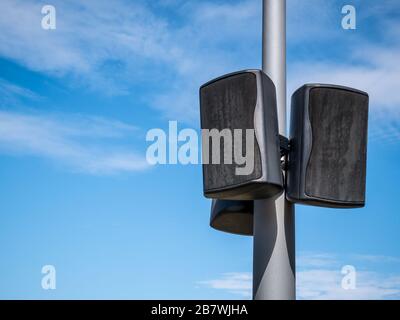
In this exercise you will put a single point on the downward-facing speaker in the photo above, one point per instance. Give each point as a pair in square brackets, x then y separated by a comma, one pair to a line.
[328, 146]
[232, 216]
[241, 153]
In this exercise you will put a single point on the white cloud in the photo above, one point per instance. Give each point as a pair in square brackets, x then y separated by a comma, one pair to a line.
[321, 284]
[97, 42]
[307, 259]
[113, 46]
[375, 71]
[376, 258]
[322, 280]
[10, 90]
[319, 277]
[377, 75]
[12, 94]
[235, 282]
[85, 144]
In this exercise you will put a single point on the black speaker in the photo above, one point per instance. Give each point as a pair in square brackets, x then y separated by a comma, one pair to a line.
[328, 146]
[232, 216]
[242, 102]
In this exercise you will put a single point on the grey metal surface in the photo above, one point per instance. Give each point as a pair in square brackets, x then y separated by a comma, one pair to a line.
[274, 221]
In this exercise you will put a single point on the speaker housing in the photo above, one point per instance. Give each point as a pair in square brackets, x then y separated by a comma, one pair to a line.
[232, 216]
[328, 146]
[242, 100]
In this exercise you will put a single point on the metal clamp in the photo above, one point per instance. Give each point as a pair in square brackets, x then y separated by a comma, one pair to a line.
[284, 145]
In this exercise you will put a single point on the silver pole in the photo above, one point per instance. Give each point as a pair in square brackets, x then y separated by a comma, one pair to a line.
[274, 222]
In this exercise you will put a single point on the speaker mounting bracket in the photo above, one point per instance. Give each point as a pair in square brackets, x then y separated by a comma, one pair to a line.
[284, 149]
[284, 145]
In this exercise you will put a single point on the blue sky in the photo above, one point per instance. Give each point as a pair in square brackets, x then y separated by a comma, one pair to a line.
[77, 192]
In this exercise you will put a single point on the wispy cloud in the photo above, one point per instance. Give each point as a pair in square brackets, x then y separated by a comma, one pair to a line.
[112, 47]
[11, 89]
[375, 71]
[12, 94]
[322, 284]
[96, 42]
[318, 260]
[235, 282]
[86, 144]
[319, 277]
[376, 258]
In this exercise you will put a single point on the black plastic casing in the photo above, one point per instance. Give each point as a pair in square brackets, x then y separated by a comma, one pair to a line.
[328, 146]
[232, 216]
[243, 100]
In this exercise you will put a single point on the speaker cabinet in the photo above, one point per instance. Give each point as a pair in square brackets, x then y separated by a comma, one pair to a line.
[328, 146]
[242, 102]
[232, 216]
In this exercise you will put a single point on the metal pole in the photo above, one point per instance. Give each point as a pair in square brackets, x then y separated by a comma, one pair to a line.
[274, 222]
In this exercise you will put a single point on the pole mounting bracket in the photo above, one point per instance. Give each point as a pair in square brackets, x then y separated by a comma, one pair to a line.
[284, 145]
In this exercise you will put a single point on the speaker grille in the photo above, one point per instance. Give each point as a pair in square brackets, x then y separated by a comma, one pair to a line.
[229, 103]
[339, 133]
